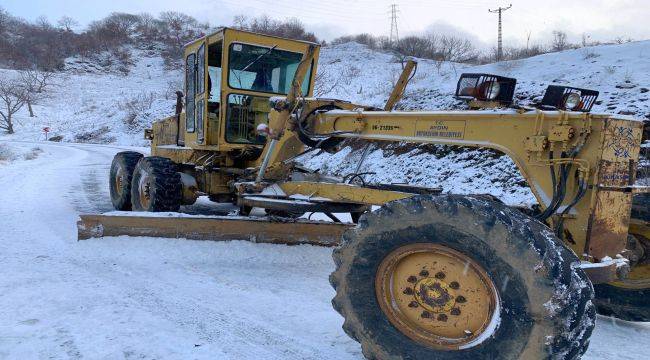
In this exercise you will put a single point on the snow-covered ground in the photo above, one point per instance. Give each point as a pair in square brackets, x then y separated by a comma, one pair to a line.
[146, 298]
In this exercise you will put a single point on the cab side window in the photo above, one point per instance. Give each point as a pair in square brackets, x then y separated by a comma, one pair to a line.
[214, 77]
[190, 91]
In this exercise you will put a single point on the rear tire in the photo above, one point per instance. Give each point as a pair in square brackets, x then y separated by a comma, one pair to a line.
[545, 303]
[641, 207]
[121, 175]
[156, 185]
[625, 304]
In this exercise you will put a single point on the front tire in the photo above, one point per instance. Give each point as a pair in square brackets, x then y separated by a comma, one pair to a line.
[121, 175]
[156, 185]
[542, 302]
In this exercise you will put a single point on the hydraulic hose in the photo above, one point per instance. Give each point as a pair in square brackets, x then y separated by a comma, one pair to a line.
[582, 190]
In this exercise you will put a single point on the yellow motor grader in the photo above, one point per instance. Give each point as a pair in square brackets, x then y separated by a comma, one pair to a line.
[427, 275]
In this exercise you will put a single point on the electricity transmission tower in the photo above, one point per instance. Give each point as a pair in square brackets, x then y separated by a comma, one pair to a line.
[500, 41]
[394, 34]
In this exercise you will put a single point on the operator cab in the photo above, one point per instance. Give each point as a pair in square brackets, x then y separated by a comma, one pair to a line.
[230, 76]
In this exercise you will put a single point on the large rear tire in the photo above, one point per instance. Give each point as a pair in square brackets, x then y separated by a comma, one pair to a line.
[641, 207]
[121, 175]
[156, 185]
[625, 304]
[453, 277]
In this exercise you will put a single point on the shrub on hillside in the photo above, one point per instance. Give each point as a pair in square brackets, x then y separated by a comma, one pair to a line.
[42, 45]
[428, 46]
[137, 108]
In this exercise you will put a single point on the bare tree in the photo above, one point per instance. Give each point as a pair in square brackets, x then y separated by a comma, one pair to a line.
[42, 22]
[180, 28]
[240, 21]
[291, 28]
[35, 83]
[457, 49]
[147, 27]
[12, 99]
[67, 23]
[585, 39]
[560, 41]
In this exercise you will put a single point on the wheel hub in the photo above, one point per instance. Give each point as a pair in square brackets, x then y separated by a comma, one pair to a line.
[144, 189]
[434, 295]
[437, 296]
[119, 179]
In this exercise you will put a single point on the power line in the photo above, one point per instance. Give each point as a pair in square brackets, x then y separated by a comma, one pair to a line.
[394, 34]
[500, 41]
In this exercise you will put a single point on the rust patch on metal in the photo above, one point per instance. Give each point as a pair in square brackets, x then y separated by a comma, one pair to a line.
[611, 214]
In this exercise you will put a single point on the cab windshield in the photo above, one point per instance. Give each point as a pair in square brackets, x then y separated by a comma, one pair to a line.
[256, 68]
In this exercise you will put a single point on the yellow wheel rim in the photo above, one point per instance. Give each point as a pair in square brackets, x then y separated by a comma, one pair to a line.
[437, 296]
[144, 189]
[120, 175]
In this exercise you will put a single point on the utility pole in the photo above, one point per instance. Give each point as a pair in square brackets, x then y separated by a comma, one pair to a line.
[394, 34]
[500, 42]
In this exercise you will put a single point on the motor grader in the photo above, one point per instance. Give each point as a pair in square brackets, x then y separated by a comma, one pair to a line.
[428, 274]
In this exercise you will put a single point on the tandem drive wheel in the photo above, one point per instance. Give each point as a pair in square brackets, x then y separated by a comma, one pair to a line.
[156, 186]
[120, 178]
[454, 277]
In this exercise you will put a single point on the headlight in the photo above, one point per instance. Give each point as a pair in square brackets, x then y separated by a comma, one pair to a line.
[486, 87]
[568, 98]
[572, 101]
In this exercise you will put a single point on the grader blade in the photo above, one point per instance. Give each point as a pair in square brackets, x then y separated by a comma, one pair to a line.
[216, 228]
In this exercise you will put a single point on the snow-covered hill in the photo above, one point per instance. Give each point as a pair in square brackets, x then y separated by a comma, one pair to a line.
[620, 72]
[99, 104]
[91, 104]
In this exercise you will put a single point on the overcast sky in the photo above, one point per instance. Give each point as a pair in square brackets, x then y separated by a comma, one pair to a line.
[599, 19]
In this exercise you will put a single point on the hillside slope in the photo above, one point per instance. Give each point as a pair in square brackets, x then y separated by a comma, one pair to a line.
[91, 104]
[620, 72]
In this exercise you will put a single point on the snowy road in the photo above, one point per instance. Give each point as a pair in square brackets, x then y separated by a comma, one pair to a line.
[166, 299]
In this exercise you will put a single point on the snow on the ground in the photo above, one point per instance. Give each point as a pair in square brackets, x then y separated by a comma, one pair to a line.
[89, 105]
[10, 153]
[147, 298]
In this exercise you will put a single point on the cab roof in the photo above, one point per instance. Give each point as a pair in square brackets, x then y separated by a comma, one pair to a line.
[224, 28]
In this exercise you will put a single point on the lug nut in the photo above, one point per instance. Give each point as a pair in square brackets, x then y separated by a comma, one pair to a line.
[455, 311]
[461, 299]
[412, 279]
[440, 275]
[413, 304]
[408, 291]
[454, 285]
[425, 314]
[442, 317]
[424, 273]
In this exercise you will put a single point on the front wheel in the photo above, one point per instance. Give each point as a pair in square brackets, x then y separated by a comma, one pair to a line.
[453, 277]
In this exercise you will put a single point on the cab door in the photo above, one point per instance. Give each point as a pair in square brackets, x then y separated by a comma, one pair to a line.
[195, 90]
